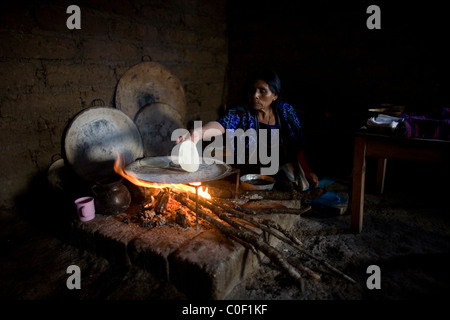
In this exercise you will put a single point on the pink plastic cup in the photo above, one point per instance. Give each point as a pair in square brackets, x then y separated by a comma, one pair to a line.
[85, 208]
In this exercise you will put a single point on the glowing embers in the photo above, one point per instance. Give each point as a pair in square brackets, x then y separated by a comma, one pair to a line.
[160, 208]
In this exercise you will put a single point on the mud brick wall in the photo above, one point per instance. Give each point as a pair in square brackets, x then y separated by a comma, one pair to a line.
[49, 73]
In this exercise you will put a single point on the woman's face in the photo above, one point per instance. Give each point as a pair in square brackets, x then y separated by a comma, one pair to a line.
[260, 96]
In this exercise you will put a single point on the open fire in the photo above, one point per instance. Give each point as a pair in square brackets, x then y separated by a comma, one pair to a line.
[160, 208]
[119, 169]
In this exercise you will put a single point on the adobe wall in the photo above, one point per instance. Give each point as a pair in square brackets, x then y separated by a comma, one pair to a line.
[49, 73]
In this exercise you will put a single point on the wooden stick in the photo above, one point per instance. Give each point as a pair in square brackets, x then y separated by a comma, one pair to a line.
[161, 200]
[287, 237]
[257, 222]
[301, 267]
[294, 242]
[249, 246]
[241, 208]
[325, 263]
[272, 253]
[216, 210]
[276, 210]
[270, 194]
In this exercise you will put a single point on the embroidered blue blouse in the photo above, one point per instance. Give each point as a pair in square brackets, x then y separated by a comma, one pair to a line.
[290, 129]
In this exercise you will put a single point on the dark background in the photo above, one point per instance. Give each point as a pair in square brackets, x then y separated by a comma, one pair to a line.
[333, 68]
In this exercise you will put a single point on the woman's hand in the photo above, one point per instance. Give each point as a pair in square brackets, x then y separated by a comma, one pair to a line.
[186, 136]
[312, 179]
[195, 135]
[209, 130]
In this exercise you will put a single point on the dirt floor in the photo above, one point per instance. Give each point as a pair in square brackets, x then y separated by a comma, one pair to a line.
[406, 233]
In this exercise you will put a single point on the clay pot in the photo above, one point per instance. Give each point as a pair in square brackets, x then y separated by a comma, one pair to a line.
[111, 197]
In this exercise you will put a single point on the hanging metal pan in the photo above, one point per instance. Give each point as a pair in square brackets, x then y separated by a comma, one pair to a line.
[156, 122]
[148, 83]
[95, 137]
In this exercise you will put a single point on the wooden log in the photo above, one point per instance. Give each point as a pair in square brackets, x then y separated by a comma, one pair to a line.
[266, 225]
[270, 195]
[257, 222]
[247, 245]
[271, 204]
[324, 262]
[292, 241]
[272, 253]
[161, 200]
[180, 219]
[277, 211]
[251, 211]
[226, 189]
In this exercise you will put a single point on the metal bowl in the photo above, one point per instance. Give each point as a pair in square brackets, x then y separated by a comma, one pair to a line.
[257, 182]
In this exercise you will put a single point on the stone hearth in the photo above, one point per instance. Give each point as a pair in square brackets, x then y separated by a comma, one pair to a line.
[201, 263]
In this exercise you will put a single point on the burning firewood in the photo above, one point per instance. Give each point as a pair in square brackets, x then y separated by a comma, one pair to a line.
[151, 211]
[269, 226]
[217, 210]
[161, 200]
[148, 214]
[180, 219]
[238, 223]
[244, 235]
[263, 224]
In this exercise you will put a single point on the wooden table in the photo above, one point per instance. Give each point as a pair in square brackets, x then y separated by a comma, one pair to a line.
[383, 147]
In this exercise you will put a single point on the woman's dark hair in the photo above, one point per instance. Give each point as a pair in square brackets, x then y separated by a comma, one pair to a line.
[270, 77]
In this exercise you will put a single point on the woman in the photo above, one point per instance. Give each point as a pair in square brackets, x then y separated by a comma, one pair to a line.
[265, 111]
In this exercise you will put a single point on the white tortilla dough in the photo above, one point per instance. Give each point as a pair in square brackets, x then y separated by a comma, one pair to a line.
[188, 156]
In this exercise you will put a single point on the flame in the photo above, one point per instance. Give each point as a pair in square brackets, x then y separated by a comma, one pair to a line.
[119, 169]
